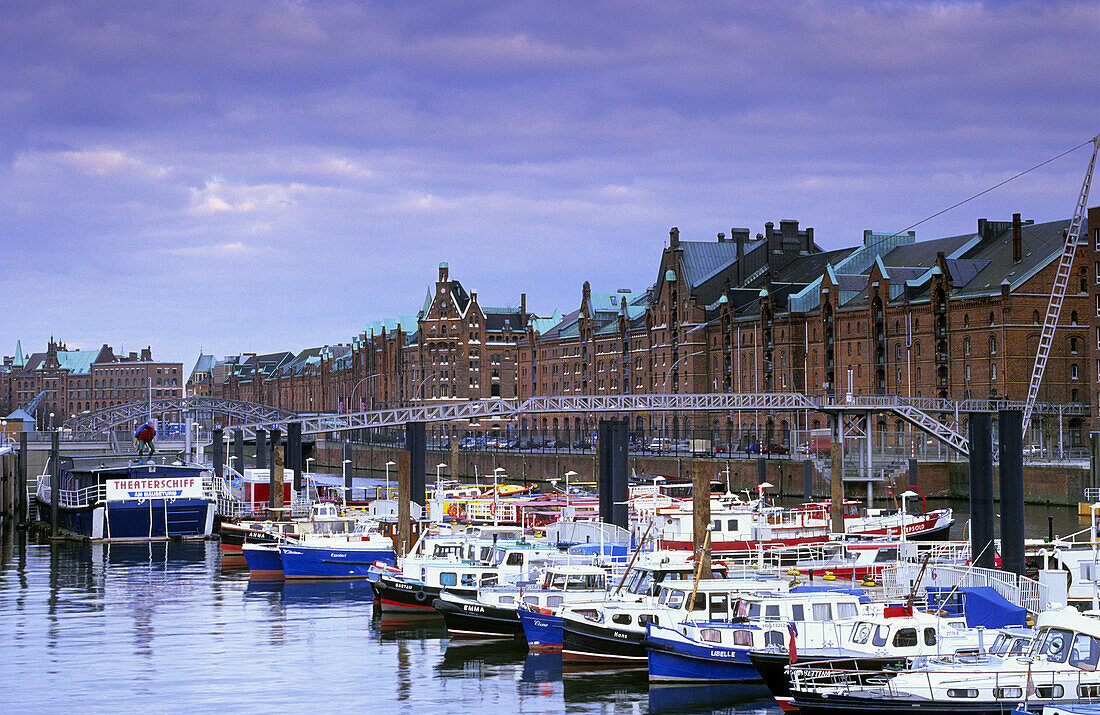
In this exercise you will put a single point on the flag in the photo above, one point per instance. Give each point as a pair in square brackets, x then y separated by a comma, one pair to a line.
[793, 647]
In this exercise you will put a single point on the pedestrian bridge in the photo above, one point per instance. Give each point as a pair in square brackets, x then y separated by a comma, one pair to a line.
[922, 413]
[106, 420]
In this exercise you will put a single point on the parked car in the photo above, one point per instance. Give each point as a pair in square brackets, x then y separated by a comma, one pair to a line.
[660, 444]
[776, 449]
[582, 443]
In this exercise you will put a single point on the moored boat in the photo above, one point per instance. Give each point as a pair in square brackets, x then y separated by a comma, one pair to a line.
[117, 499]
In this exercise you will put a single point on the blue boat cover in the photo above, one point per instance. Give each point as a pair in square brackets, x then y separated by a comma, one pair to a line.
[981, 605]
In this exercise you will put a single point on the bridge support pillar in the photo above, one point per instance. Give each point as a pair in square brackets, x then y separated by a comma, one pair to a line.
[807, 480]
[913, 471]
[294, 452]
[261, 449]
[416, 444]
[762, 470]
[1011, 452]
[238, 451]
[981, 490]
[217, 455]
[612, 472]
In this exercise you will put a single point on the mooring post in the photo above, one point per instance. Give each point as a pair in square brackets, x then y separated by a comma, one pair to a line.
[261, 449]
[981, 490]
[404, 496]
[1050, 527]
[807, 480]
[1011, 427]
[836, 478]
[347, 471]
[700, 524]
[761, 470]
[278, 464]
[24, 468]
[55, 479]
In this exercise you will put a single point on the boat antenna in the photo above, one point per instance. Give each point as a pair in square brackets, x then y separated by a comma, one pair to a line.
[637, 550]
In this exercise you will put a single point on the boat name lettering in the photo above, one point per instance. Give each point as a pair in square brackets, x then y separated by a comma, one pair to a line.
[721, 654]
[154, 488]
[473, 609]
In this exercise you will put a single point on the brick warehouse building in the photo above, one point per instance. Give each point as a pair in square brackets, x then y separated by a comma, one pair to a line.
[76, 381]
[957, 317]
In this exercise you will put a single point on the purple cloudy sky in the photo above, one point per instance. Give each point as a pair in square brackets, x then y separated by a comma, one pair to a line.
[261, 175]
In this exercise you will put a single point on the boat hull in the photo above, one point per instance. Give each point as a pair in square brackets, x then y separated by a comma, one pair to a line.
[264, 562]
[772, 668]
[584, 642]
[465, 619]
[396, 596]
[813, 704]
[146, 520]
[684, 662]
[721, 547]
[330, 562]
[542, 631]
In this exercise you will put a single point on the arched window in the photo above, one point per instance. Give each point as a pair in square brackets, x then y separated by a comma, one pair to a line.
[992, 344]
[966, 345]
[1034, 317]
[1073, 318]
[1073, 374]
[966, 320]
[991, 319]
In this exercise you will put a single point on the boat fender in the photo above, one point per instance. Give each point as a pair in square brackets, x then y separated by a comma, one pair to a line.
[420, 596]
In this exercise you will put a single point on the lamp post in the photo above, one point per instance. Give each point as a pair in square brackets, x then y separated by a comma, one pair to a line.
[905, 495]
[308, 460]
[388, 465]
[496, 495]
[438, 470]
[346, 470]
[51, 422]
[664, 386]
[568, 474]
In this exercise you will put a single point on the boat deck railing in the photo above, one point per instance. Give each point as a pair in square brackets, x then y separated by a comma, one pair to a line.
[1008, 685]
[71, 498]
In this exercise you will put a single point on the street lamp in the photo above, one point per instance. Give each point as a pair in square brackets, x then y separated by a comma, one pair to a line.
[308, 460]
[905, 495]
[664, 385]
[496, 495]
[388, 465]
[568, 474]
[51, 422]
[438, 468]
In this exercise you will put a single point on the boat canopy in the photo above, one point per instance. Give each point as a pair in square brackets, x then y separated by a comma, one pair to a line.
[981, 605]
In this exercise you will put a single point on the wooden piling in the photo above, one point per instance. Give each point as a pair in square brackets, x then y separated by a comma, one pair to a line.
[404, 497]
[277, 467]
[836, 478]
[700, 506]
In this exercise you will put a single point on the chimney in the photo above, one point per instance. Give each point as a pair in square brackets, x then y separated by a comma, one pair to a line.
[147, 353]
[722, 238]
[523, 310]
[1017, 240]
[809, 240]
[674, 238]
[740, 236]
[473, 296]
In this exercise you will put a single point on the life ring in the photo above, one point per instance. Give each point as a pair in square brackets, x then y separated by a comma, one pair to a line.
[493, 508]
[420, 596]
[454, 511]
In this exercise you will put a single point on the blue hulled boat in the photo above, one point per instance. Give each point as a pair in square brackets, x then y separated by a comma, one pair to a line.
[117, 499]
[347, 559]
[263, 561]
[541, 628]
[702, 655]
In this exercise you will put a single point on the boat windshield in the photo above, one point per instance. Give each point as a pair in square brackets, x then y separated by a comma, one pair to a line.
[1054, 644]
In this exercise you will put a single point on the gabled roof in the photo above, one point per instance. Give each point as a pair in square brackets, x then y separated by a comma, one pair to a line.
[204, 364]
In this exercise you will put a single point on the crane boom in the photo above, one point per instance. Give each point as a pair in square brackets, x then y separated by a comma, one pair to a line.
[1058, 292]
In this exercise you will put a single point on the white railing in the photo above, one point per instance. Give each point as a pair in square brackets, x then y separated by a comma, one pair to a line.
[1019, 590]
[70, 498]
[1092, 494]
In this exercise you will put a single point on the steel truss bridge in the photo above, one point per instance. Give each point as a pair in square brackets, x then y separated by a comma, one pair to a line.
[918, 412]
[109, 418]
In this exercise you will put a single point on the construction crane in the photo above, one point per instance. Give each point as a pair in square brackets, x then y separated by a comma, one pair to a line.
[1058, 292]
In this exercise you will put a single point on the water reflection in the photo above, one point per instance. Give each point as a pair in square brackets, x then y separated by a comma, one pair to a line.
[311, 593]
[722, 697]
[399, 627]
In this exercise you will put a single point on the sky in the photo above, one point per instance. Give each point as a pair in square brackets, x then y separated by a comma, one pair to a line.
[257, 175]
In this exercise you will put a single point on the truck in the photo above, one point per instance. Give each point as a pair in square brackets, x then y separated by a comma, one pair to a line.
[821, 441]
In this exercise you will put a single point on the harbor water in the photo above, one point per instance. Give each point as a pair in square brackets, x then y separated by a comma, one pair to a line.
[175, 627]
